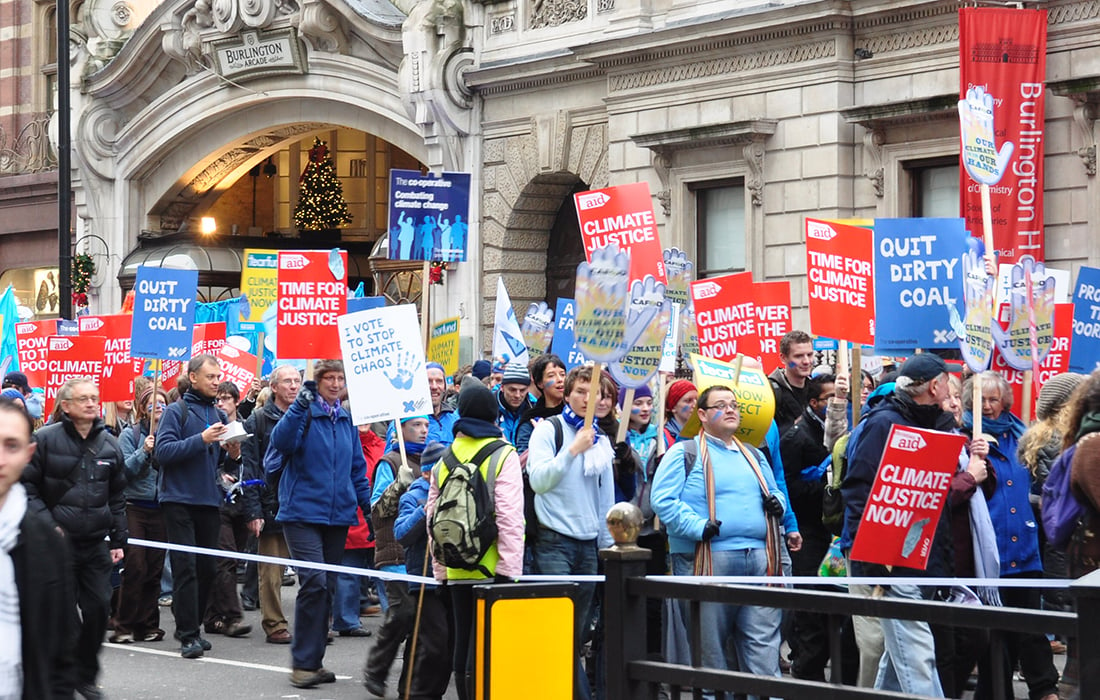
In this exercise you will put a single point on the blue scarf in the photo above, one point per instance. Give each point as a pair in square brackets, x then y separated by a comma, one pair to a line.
[411, 448]
[1005, 424]
[577, 422]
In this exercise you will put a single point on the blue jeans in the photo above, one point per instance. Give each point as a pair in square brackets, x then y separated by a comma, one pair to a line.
[560, 554]
[317, 543]
[908, 664]
[345, 602]
[754, 630]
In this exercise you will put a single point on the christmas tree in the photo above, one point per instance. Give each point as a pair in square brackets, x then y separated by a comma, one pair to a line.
[321, 202]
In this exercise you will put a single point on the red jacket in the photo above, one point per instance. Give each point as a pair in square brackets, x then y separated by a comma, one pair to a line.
[373, 449]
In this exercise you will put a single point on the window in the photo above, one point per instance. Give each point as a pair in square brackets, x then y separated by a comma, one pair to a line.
[46, 56]
[935, 187]
[720, 227]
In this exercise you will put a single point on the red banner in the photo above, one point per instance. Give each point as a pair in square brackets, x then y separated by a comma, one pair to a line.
[71, 356]
[905, 502]
[30, 338]
[840, 281]
[313, 291]
[1056, 361]
[1003, 52]
[205, 338]
[622, 215]
[725, 313]
[773, 318]
[238, 367]
[116, 383]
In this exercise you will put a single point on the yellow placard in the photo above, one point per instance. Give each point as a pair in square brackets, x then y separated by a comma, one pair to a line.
[754, 394]
[443, 345]
[259, 280]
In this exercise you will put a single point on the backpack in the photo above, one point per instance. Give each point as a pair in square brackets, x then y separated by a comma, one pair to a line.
[530, 517]
[1061, 510]
[464, 524]
[832, 505]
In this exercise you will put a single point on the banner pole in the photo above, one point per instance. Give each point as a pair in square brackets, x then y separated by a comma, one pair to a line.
[624, 418]
[309, 371]
[976, 400]
[425, 301]
[593, 395]
[153, 413]
[857, 394]
[842, 368]
[1025, 410]
[260, 355]
[661, 386]
[737, 368]
[400, 442]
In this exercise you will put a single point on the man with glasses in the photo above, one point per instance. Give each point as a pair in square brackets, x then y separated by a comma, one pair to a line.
[747, 506]
[76, 479]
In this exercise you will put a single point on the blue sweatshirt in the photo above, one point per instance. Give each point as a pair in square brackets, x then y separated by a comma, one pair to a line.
[189, 466]
[681, 502]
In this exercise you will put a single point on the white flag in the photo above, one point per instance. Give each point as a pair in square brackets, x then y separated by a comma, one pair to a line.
[507, 338]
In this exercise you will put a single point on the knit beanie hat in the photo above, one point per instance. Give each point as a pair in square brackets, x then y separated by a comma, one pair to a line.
[676, 391]
[639, 393]
[477, 401]
[1055, 392]
[481, 369]
[516, 373]
[13, 394]
[431, 454]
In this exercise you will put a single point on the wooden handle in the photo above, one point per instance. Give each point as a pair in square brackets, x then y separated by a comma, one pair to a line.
[593, 396]
[976, 409]
[624, 417]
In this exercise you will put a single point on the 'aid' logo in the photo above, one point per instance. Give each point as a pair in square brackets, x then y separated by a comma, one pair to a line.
[592, 200]
[819, 231]
[905, 440]
[293, 261]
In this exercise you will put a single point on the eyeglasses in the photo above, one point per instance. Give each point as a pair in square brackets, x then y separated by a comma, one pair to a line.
[91, 398]
[723, 406]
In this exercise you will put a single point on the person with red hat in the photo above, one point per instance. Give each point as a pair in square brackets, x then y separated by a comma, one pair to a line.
[679, 404]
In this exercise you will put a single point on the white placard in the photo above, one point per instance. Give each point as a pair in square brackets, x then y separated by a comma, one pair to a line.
[1061, 283]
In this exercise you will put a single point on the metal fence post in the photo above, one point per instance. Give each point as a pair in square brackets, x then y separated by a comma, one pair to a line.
[624, 619]
[1086, 594]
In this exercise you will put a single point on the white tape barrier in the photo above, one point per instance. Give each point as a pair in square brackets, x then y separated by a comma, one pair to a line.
[1048, 583]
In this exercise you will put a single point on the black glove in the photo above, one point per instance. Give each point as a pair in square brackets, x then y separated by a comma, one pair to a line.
[710, 530]
[306, 394]
[622, 451]
[772, 506]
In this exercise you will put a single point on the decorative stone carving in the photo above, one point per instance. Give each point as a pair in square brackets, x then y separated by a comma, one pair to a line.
[30, 151]
[1085, 93]
[662, 164]
[873, 160]
[754, 159]
[320, 23]
[551, 13]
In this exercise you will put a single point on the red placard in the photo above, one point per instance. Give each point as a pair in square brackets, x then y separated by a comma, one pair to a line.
[725, 313]
[1004, 50]
[311, 295]
[622, 215]
[840, 281]
[119, 369]
[238, 367]
[205, 338]
[1056, 361]
[30, 339]
[904, 505]
[69, 356]
[773, 318]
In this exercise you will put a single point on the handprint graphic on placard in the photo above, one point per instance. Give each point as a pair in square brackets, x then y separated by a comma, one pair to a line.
[975, 332]
[680, 272]
[336, 264]
[601, 297]
[984, 162]
[1015, 343]
[538, 328]
[646, 328]
[404, 370]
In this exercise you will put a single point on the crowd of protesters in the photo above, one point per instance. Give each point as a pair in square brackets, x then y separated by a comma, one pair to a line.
[309, 485]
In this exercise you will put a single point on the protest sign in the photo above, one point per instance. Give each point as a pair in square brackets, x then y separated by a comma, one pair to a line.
[599, 328]
[680, 272]
[443, 346]
[537, 328]
[646, 328]
[689, 331]
[384, 364]
[773, 318]
[1030, 331]
[313, 292]
[259, 282]
[1084, 354]
[207, 338]
[68, 357]
[904, 505]
[564, 344]
[840, 283]
[164, 313]
[30, 338]
[725, 313]
[918, 275]
[237, 366]
[672, 341]
[508, 343]
[1055, 360]
[1006, 282]
[622, 217]
[428, 215]
[754, 396]
[119, 369]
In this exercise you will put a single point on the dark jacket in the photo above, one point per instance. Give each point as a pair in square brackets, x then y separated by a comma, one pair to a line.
[536, 413]
[802, 446]
[865, 449]
[46, 613]
[260, 424]
[411, 530]
[387, 550]
[189, 466]
[142, 470]
[79, 483]
[790, 401]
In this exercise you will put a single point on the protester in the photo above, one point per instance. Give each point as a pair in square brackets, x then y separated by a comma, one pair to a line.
[17, 380]
[284, 383]
[443, 416]
[513, 399]
[504, 560]
[641, 433]
[574, 489]
[189, 452]
[118, 415]
[908, 663]
[38, 623]
[1017, 534]
[138, 616]
[680, 401]
[76, 480]
[548, 374]
[323, 478]
[743, 534]
[796, 351]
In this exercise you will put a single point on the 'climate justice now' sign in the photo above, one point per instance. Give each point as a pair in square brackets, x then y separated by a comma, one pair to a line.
[623, 216]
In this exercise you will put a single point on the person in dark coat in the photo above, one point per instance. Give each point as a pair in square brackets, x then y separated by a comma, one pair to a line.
[796, 350]
[34, 568]
[76, 479]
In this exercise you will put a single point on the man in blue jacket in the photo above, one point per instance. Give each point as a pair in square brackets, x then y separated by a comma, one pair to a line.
[513, 399]
[189, 450]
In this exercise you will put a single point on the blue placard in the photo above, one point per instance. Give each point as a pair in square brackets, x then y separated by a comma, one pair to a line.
[564, 344]
[823, 343]
[164, 313]
[918, 272]
[363, 303]
[429, 216]
[1084, 350]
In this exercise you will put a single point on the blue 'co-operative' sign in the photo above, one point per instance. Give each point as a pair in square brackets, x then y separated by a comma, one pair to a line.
[429, 216]
[1084, 351]
[565, 343]
[164, 313]
[918, 272]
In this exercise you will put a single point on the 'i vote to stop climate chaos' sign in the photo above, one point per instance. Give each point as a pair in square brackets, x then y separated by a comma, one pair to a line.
[164, 313]
[313, 292]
